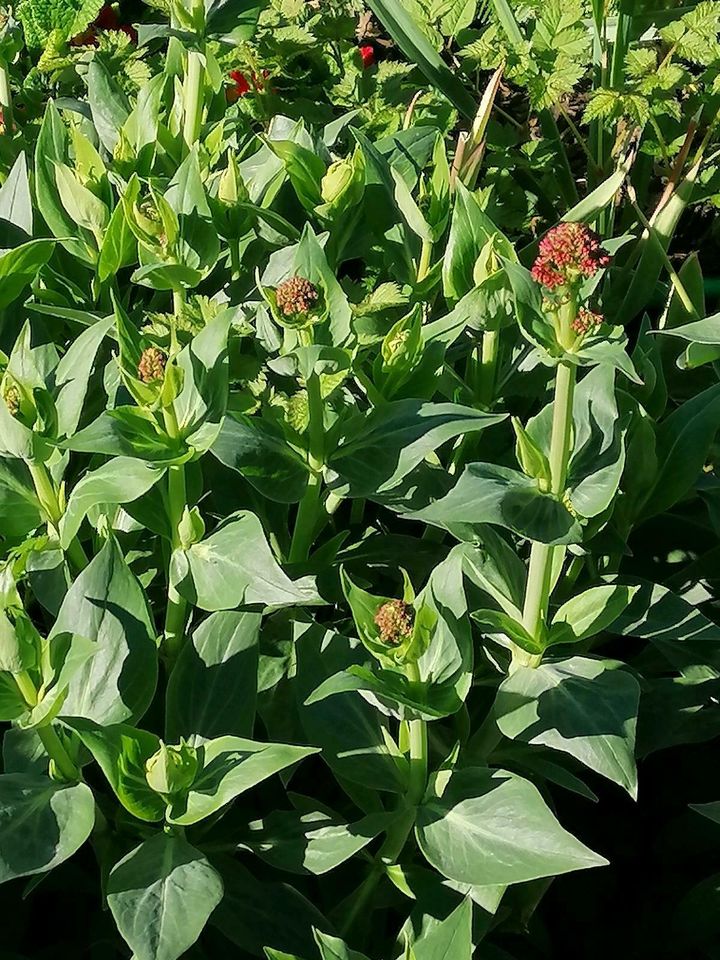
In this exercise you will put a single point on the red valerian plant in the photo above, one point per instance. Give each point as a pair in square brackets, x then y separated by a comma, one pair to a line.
[241, 86]
[367, 55]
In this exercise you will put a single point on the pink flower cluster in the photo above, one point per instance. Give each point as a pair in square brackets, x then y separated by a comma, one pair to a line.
[568, 252]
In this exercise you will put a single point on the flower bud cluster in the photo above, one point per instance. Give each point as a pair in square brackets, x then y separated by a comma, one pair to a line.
[395, 620]
[568, 252]
[296, 296]
[152, 365]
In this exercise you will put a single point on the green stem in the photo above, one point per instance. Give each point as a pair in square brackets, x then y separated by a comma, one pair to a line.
[425, 257]
[193, 97]
[50, 505]
[488, 367]
[539, 585]
[309, 509]
[417, 730]
[176, 613]
[48, 737]
[6, 98]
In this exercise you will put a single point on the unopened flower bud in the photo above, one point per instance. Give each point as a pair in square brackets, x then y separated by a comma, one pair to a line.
[395, 620]
[12, 399]
[152, 365]
[296, 296]
[172, 769]
[568, 252]
[586, 321]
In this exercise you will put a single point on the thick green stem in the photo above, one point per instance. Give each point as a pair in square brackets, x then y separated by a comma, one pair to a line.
[417, 737]
[424, 264]
[48, 737]
[308, 512]
[539, 584]
[176, 613]
[193, 97]
[488, 367]
[50, 504]
[6, 98]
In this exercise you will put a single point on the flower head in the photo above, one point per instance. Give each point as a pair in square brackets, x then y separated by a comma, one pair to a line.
[296, 296]
[241, 85]
[567, 253]
[586, 320]
[152, 365]
[367, 55]
[12, 399]
[395, 620]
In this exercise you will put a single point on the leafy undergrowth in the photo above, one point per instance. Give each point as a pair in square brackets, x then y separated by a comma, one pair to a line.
[358, 497]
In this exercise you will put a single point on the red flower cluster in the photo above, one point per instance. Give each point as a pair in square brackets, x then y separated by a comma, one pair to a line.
[107, 19]
[367, 55]
[568, 252]
[395, 620]
[242, 86]
[586, 320]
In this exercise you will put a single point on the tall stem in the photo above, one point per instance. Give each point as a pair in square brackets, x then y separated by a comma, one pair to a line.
[488, 367]
[538, 589]
[425, 257]
[6, 98]
[193, 97]
[48, 737]
[50, 505]
[307, 516]
[417, 737]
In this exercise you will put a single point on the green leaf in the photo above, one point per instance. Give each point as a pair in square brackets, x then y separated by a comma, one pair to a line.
[214, 574]
[470, 833]
[313, 841]
[589, 613]
[19, 505]
[128, 432]
[332, 948]
[72, 375]
[16, 205]
[486, 493]
[584, 707]
[42, 823]
[257, 450]
[495, 621]
[121, 480]
[20, 266]
[683, 442]
[377, 450]
[213, 686]
[230, 766]
[108, 104]
[106, 604]
[121, 752]
[448, 939]
[161, 896]
[409, 37]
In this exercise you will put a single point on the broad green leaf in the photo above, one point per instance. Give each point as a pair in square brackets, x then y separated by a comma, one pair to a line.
[106, 604]
[311, 842]
[492, 827]
[589, 613]
[42, 823]
[128, 432]
[16, 212]
[230, 766]
[495, 621]
[161, 896]
[73, 374]
[258, 451]
[120, 480]
[333, 948]
[121, 752]
[448, 939]
[108, 104]
[683, 441]
[349, 730]
[249, 912]
[376, 450]
[20, 266]
[214, 574]
[213, 686]
[19, 506]
[584, 707]
[486, 493]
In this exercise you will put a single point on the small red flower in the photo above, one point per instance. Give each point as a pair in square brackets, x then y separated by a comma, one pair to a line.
[586, 321]
[107, 19]
[367, 55]
[568, 252]
[242, 86]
